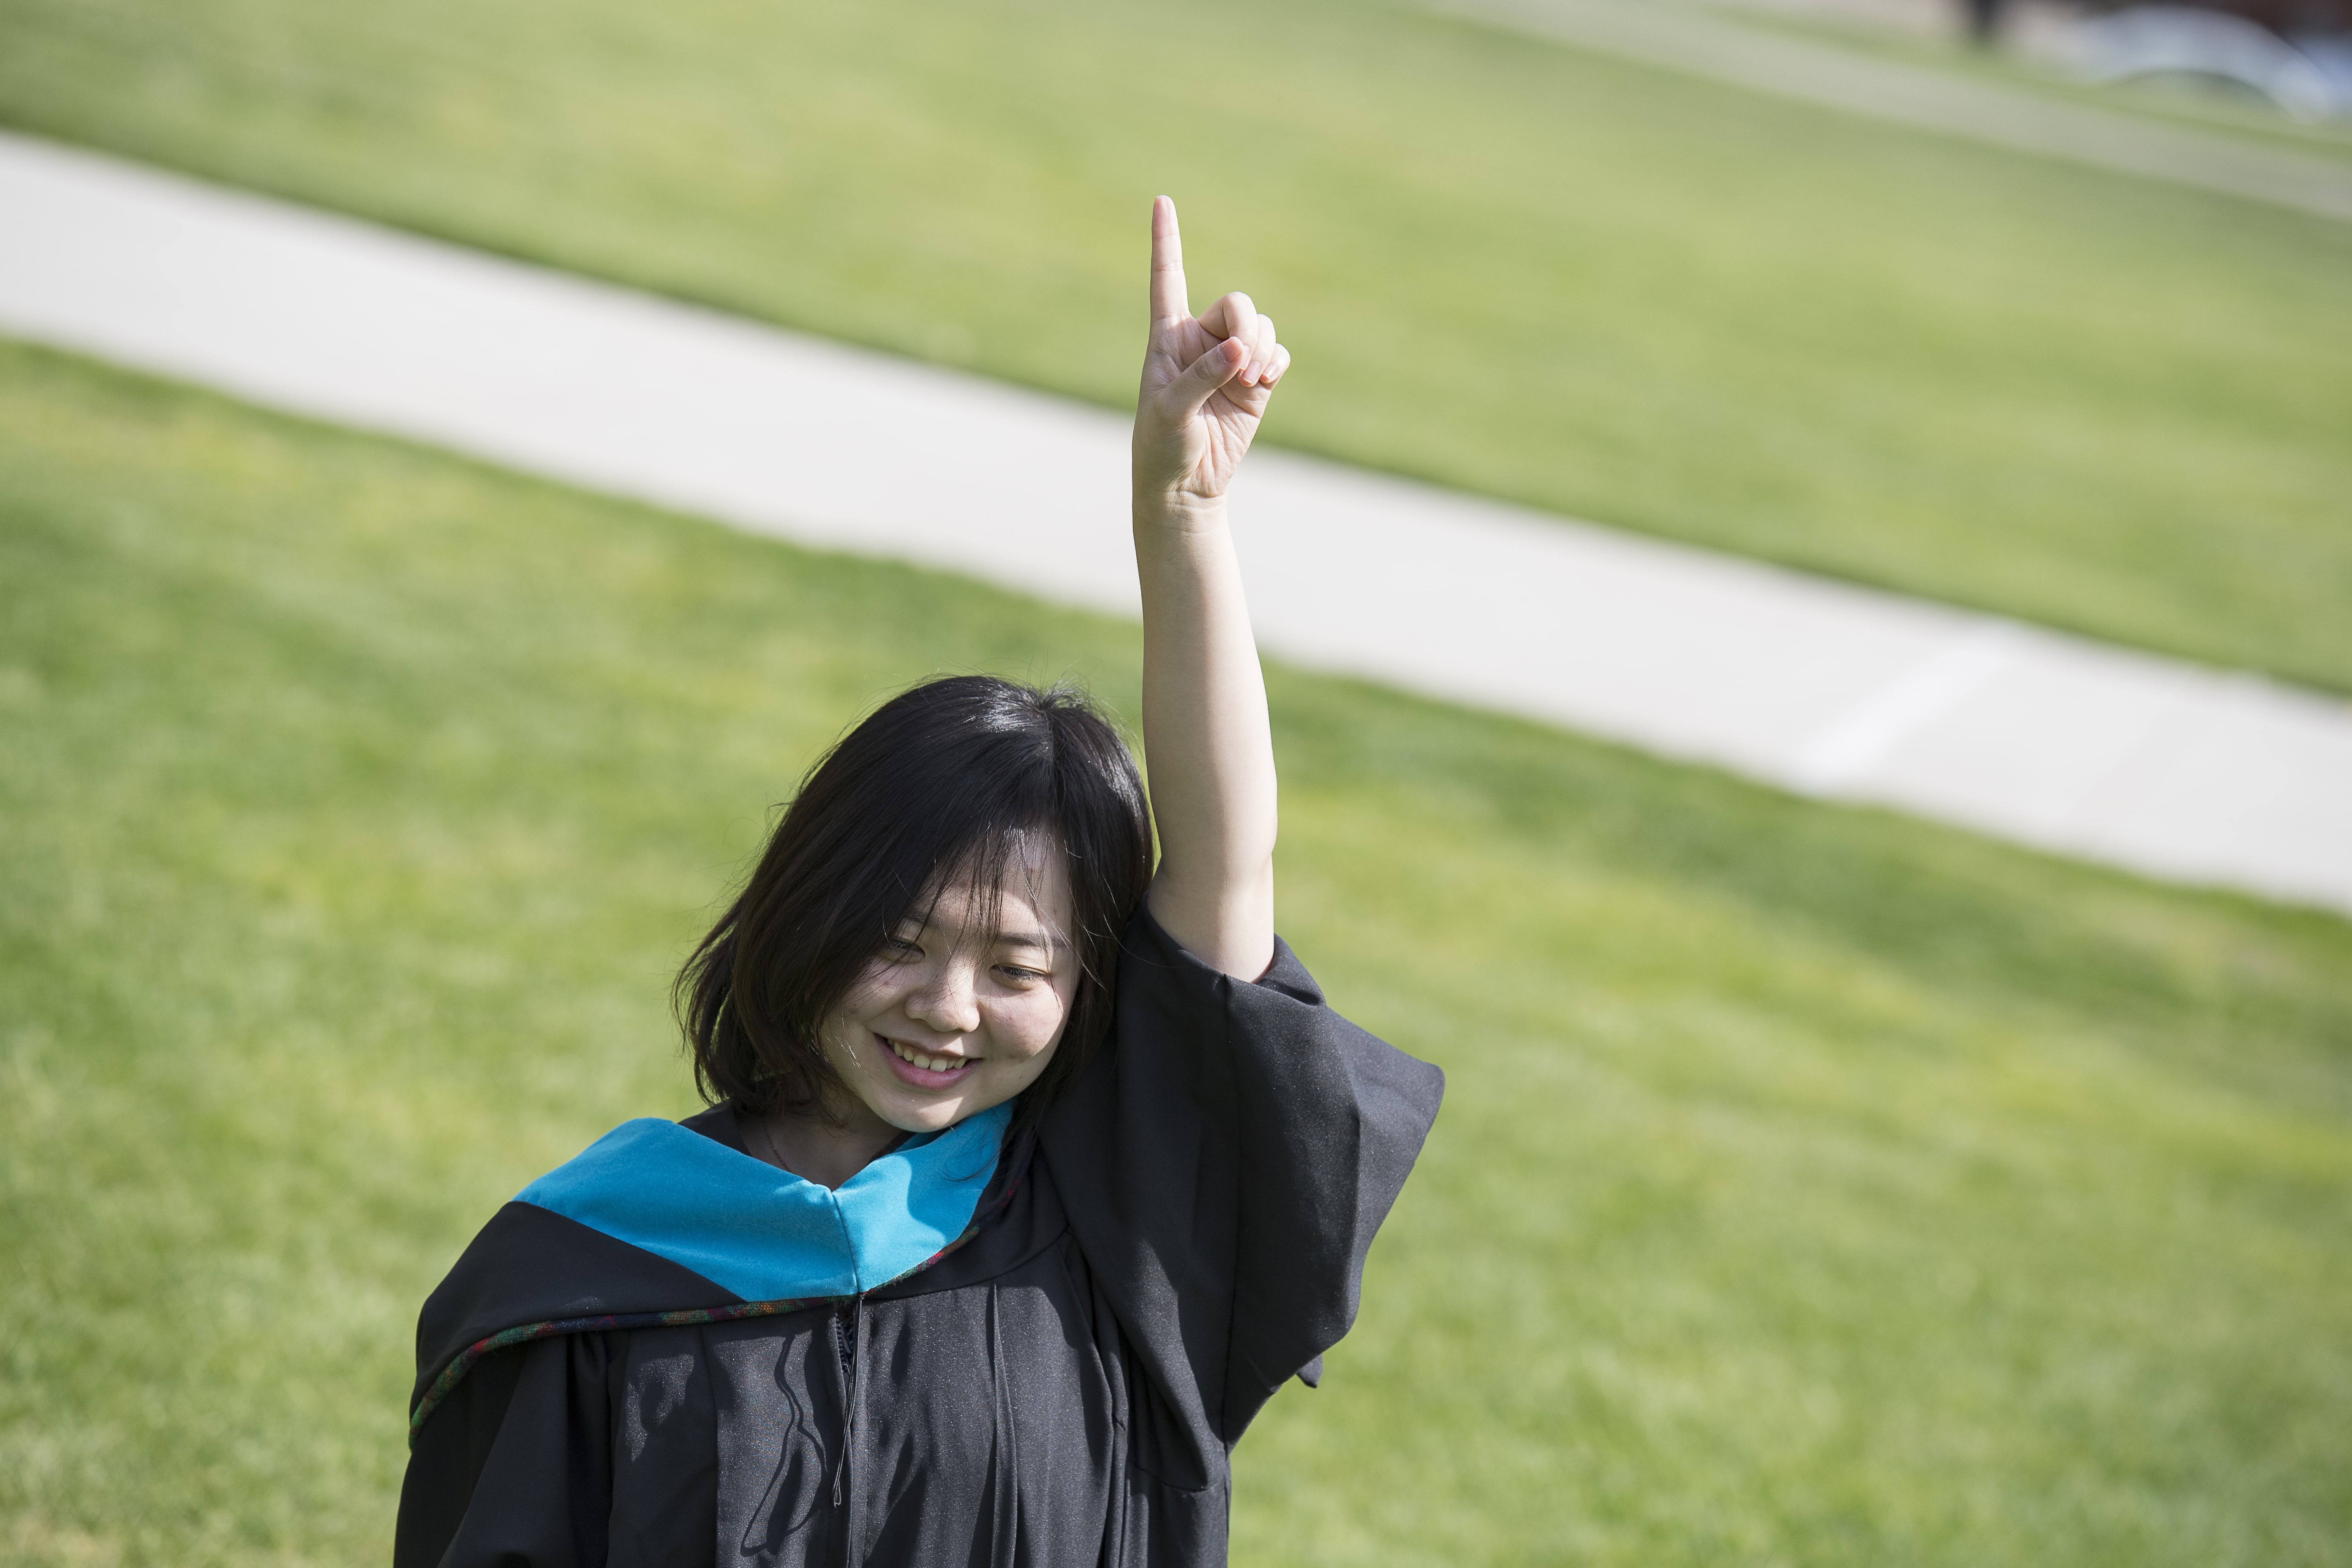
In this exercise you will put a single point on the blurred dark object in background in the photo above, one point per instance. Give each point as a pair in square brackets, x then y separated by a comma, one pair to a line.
[2288, 18]
[2295, 53]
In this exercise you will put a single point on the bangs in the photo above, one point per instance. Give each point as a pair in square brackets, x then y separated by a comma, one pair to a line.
[998, 859]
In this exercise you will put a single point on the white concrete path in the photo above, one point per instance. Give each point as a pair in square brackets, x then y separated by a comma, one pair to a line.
[1696, 43]
[2147, 763]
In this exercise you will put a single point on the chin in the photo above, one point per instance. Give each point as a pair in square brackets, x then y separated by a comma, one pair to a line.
[932, 1117]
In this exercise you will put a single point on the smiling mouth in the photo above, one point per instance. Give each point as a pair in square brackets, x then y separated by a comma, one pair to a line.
[924, 1059]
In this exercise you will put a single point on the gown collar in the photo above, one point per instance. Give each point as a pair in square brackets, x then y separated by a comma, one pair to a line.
[766, 1235]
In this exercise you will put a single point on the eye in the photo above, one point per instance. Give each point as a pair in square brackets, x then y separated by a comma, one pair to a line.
[898, 950]
[1019, 975]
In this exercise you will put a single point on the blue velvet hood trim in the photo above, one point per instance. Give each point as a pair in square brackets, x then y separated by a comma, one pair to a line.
[766, 1235]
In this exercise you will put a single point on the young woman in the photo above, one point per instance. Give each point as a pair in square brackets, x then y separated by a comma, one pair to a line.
[1031, 1172]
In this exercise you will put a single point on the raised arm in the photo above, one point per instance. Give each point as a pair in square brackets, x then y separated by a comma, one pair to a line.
[1206, 382]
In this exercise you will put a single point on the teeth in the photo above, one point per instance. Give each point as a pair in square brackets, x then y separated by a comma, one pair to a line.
[926, 1061]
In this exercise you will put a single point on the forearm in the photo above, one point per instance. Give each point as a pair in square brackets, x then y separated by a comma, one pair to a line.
[1207, 739]
[1206, 382]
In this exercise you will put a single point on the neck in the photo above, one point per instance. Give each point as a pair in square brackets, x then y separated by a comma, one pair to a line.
[821, 1149]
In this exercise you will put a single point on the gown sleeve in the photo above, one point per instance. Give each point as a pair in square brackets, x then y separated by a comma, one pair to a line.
[1224, 1163]
[515, 1469]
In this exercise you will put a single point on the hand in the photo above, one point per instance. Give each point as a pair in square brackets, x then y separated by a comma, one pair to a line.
[1206, 382]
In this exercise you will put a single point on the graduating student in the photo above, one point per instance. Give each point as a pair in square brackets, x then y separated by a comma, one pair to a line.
[1031, 1172]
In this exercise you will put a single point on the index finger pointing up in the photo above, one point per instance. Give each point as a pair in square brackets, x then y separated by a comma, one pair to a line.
[1168, 300]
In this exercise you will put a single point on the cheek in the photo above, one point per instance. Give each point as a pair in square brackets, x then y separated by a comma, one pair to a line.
[877, 991]
[1034, 1023]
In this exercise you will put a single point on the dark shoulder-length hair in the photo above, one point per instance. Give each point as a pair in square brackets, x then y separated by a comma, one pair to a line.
[949, 778]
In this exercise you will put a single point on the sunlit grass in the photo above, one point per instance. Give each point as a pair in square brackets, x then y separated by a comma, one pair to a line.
[1813, 1186]
[2101, 402]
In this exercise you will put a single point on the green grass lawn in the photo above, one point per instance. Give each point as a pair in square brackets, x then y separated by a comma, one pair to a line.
[2098, 401]
[1814, 1186]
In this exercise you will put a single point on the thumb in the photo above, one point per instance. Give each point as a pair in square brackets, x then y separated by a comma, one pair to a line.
[1220, 364]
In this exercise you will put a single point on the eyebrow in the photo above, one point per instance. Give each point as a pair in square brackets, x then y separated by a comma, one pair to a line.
[1037, 940]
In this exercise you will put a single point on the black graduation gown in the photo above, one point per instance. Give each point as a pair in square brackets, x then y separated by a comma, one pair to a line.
[1184, 1232]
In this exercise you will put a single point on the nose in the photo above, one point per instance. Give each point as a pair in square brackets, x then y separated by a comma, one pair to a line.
[948, 1001]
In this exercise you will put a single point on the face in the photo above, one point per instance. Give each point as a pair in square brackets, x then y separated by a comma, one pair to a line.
[954, 1015]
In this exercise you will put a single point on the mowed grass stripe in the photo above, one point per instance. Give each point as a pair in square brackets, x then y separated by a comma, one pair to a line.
[2097, 401]
[1813, 1186]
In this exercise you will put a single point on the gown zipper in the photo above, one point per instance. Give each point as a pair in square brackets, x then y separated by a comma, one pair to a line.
[853, 1357]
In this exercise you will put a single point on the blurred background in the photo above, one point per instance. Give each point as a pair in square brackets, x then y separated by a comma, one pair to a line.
[1816, 1184]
